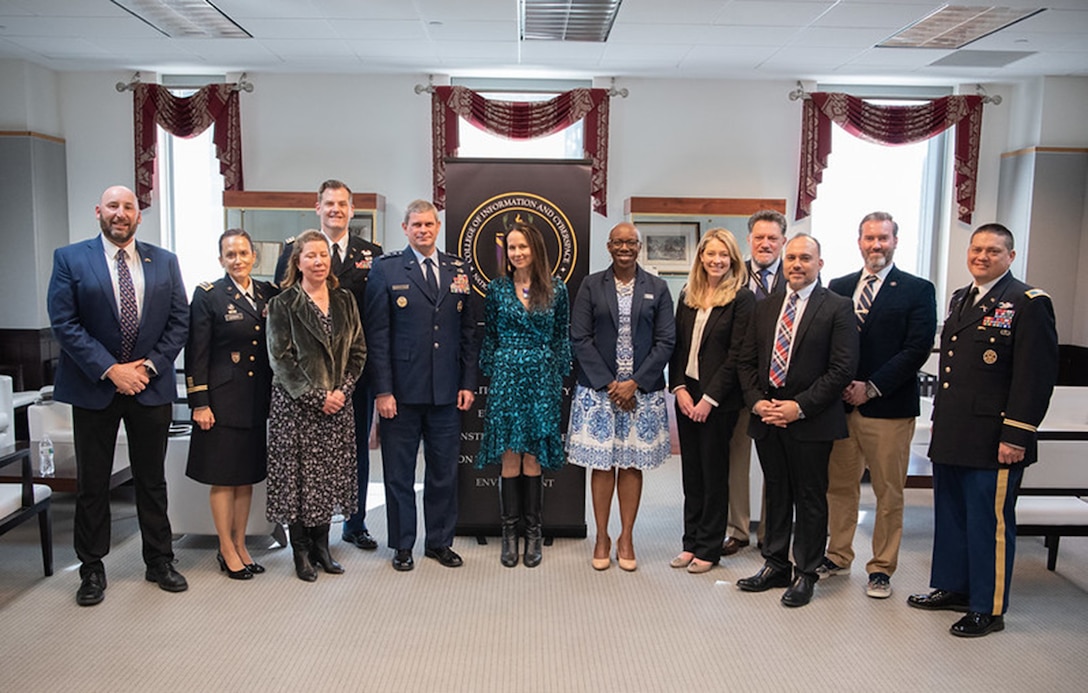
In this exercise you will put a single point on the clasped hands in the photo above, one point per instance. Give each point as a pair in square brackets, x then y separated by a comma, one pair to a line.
[387, 404]
[129, 378]
[777, 412]
[688, 407]
[622, 394]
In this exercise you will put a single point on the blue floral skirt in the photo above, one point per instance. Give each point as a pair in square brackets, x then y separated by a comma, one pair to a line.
[602, 436]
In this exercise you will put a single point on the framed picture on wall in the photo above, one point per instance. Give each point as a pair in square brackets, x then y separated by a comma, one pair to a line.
[268, 253]
[362, 225]
[668, 247]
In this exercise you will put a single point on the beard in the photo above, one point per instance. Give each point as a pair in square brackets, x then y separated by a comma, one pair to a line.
[117, 236]
[876, 262]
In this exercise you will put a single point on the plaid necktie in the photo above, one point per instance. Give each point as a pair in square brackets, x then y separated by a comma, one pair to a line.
[130, 318]
[783, 339]
[865, 301]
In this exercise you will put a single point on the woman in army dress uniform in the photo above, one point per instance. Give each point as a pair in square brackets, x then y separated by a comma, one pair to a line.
[229, 386]
[526, 353]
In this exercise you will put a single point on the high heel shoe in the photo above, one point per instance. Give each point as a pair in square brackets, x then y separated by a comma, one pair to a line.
[255, 568]
[606, 562]
[682, 560]
[698, 566]
[243, 574]
[628, 564]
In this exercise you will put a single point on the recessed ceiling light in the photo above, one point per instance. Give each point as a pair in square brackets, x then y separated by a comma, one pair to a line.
[567, 20]
[955, 26]
[184, 18]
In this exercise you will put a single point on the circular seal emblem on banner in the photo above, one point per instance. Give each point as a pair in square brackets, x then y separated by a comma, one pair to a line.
[483, 236]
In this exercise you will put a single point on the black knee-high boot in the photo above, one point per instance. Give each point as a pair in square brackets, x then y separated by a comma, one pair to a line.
[510, 509]
[300, 545]
[319, 550]
[534, 496]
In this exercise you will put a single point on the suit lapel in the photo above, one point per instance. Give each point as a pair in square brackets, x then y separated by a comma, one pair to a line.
[239, 300]
[982, 308]
[711, 321]
[613, 298]
[414, 271]
[97, 261]
[308, 316]
[888, 288]
[641, 284]
[815, 300]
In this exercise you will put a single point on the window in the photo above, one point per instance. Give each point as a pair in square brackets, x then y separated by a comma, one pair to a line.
[191, 198]
[478, 144]
[906, 181]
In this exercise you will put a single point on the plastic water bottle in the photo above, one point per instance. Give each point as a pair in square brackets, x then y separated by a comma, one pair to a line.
[46, 465]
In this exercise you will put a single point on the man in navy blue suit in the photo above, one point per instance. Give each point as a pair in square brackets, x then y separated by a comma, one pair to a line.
[421, 336]
[897, 319]
[118, 310]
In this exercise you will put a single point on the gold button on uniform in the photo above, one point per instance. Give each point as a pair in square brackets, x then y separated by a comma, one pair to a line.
[945, 386]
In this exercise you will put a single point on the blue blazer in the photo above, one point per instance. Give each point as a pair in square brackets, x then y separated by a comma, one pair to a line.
[87, 325]
[895, 340]
[422, 350]
[594, 327]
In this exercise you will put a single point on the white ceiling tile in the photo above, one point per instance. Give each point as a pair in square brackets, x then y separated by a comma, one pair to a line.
[266, 9]
[812, 56]
[658, 12]
[387, 30]
[393, 49]
[63, 8]
[289, 28]
[61, 47]
[900, 57]
[746, 57]
[772, 13]
[893, 15]
[842, 37]
[474, 31]
[71, 27]
[465, 10]
[368, 9]
[1063, 21]
[305, 48]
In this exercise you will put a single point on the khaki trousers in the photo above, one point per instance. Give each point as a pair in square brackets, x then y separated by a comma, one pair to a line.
[882, 445]
[740, 460]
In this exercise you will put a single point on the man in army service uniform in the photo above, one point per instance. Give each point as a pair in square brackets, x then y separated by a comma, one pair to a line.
[999, 363]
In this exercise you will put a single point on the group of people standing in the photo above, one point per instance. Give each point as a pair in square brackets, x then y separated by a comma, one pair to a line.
[823, 379]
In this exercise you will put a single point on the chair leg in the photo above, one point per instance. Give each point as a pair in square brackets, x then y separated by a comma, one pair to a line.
[1052, 552]
[45, 527]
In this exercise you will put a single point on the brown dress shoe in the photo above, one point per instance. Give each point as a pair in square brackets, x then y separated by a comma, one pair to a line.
[732, 545]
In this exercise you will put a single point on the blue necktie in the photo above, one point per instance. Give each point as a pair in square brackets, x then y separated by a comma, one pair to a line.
[432, 276]
[865, 301]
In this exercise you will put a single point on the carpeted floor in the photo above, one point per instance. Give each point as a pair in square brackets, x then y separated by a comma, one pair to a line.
[559, 627]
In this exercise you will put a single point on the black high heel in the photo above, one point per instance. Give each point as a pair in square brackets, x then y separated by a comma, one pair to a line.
[255, 568]
[243, 574]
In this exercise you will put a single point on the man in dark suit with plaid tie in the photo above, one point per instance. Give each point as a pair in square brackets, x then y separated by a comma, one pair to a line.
[801, 351]
[119, 313]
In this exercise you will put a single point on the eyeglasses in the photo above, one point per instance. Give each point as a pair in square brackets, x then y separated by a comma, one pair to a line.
[624, 243]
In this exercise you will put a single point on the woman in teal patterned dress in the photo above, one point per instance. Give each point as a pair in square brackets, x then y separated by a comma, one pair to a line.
[526, 353]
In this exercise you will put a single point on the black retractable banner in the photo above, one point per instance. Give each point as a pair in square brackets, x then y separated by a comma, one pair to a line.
[483, 200]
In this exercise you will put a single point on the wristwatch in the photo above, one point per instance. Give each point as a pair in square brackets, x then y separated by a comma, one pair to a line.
[870, 391]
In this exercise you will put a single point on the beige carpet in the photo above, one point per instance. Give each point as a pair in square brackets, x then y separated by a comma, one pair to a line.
[559, 627]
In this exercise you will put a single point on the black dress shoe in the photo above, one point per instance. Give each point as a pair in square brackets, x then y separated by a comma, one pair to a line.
[765, 579]
[732, 545]
[362, 540]
[91, 589]
[975, 625]
[244, 574]
[166, 577]
[445, 555]
[402, 560]
[800, 592]
[939, 600]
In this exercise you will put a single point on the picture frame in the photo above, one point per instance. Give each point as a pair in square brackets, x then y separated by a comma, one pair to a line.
[268, 254]
[362, 225]
[668, 247]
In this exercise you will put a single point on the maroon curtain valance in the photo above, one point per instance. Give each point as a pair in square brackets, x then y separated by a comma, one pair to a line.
[186, 116]
[522, 121]
[889, 125]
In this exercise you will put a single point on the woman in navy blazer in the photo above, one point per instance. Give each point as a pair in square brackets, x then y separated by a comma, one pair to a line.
[622, 335]
[711, 322]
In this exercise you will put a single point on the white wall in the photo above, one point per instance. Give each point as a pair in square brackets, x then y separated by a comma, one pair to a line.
[670, 137]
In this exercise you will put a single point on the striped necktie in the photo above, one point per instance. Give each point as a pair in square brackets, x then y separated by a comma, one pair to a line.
[783, 339]
[130, 318]
[865, 301]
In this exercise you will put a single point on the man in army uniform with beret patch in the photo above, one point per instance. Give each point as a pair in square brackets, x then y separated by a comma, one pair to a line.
[999, 363]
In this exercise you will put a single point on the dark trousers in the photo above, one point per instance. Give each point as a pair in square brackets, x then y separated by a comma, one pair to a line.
[795, 473]
[974, 533]
[95, 433]
[704, 464]
[439, 427]
[363, 401]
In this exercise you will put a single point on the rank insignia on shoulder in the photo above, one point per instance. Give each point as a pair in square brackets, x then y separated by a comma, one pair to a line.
[392, 253]
[207, 286]
[1036, 293]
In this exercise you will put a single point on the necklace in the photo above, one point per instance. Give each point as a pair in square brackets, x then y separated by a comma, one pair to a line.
[525, 291]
